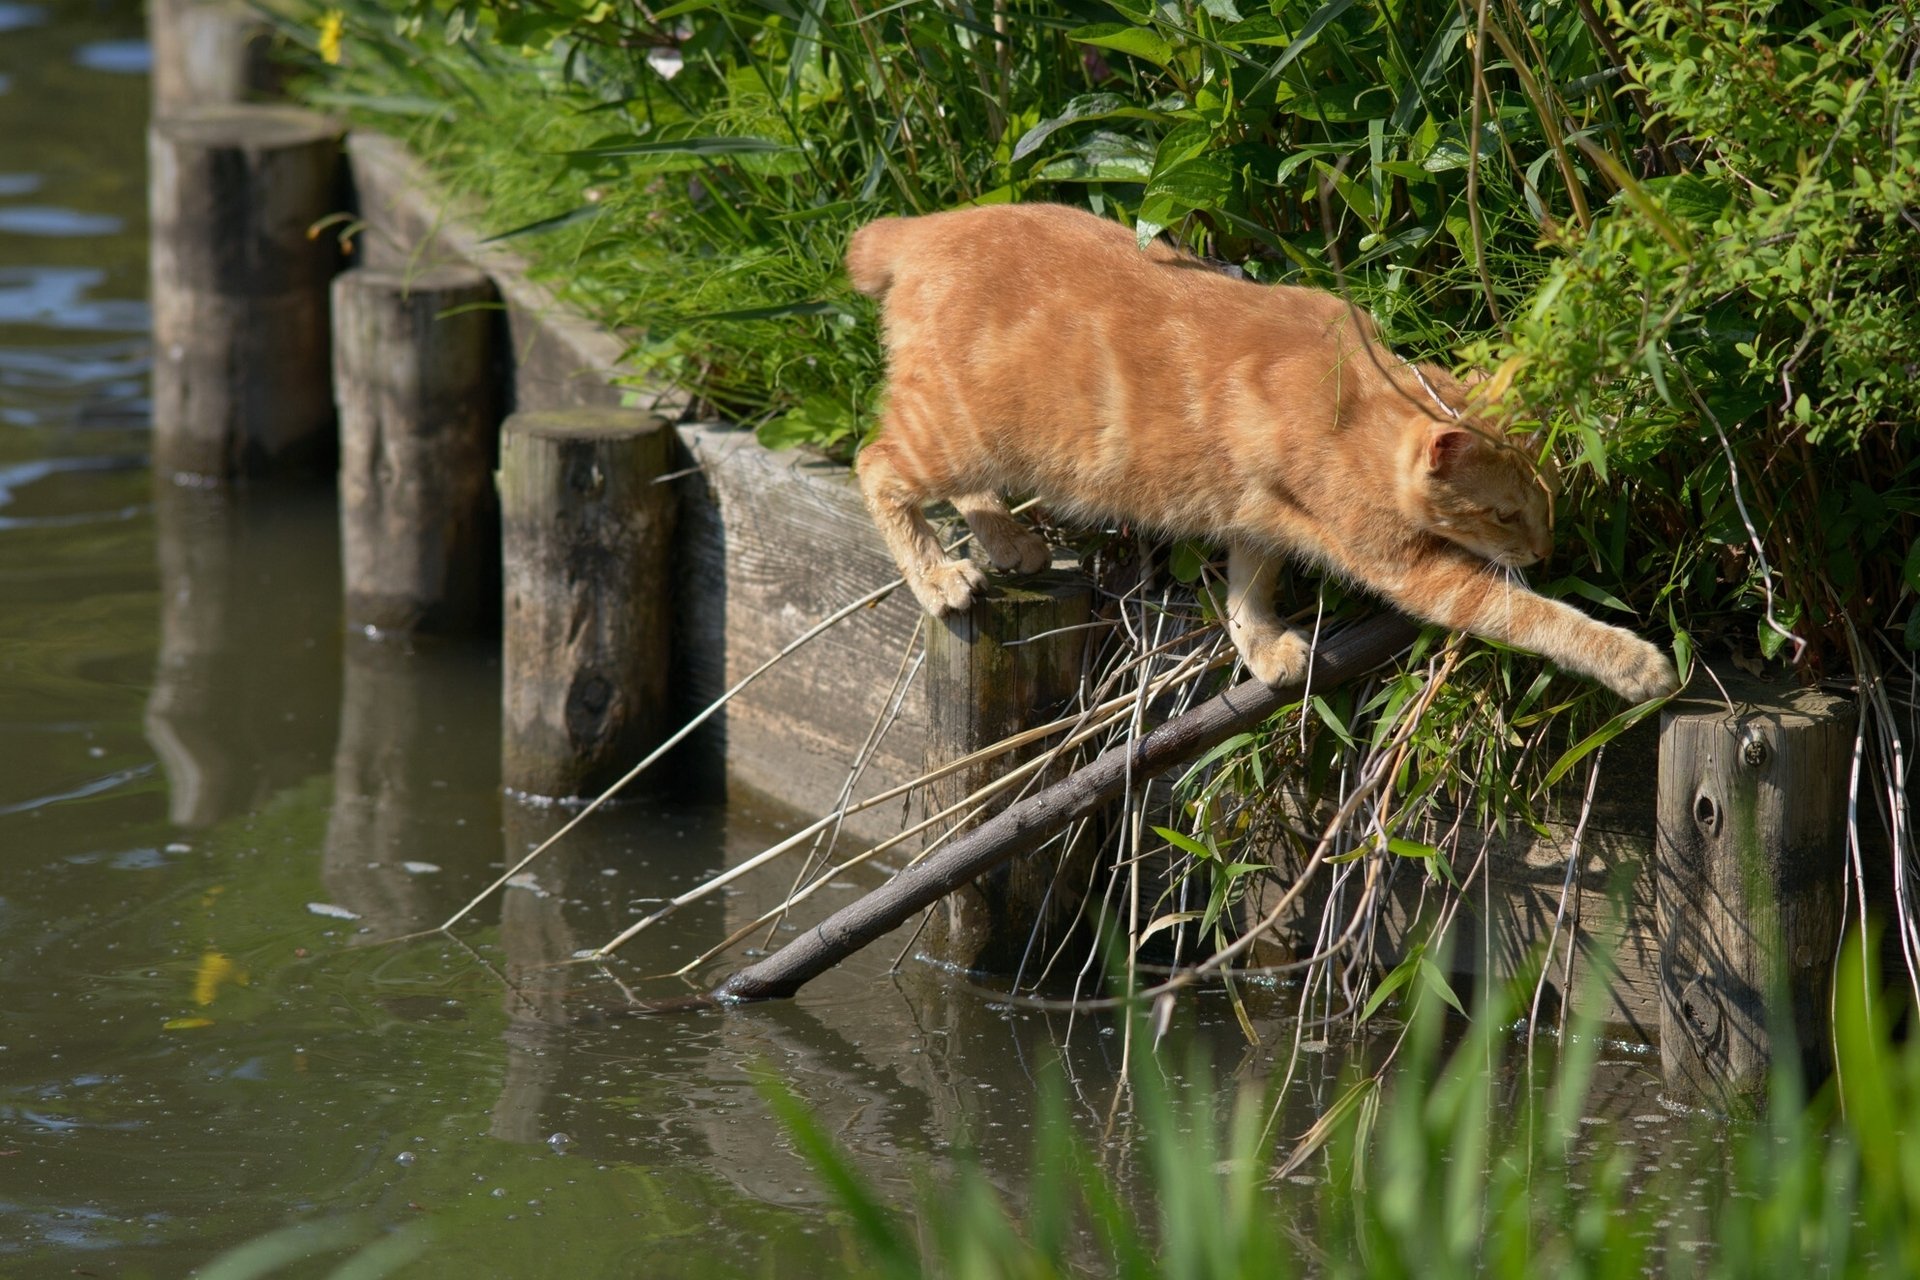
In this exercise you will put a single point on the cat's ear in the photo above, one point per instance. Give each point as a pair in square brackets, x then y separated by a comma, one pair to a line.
[1446, 446]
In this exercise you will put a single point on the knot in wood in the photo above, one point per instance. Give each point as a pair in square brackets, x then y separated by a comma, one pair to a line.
[1700, 1010]
[1706, 813]
[587, 704]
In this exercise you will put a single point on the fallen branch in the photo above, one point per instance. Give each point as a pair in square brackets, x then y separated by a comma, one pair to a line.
[1024, 827]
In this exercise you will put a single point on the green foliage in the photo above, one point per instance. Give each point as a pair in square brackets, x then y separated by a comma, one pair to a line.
[1453, 1165]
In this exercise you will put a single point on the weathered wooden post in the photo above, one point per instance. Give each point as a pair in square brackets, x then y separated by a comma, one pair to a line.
[417, 385]
[1011, 662]
[1751, 847]
[586, 534]
[209, 51]
[240, 371]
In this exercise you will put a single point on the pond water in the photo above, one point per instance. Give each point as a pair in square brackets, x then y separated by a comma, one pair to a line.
[214, 807]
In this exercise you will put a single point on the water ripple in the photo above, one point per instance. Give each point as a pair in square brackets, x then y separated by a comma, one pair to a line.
[54, 221]
[92, 787]
[118, 57]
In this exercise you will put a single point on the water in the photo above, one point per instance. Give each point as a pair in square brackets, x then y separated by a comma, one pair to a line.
[213, 808]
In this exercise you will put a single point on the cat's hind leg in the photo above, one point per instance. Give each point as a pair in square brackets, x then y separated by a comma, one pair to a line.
[940, 584]
[1010, 545]
[1274, 652]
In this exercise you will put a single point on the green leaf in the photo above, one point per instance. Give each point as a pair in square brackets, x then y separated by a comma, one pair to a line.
[1186, 842]
[1436, 982]
[1401, 975]
[1088, 106]
[1203, 183]
[1691, 199]
[1601, 737]
[1771, 641]
[581, 214]
[1103, 157]
[1333, 721]
[1600, 596]
[1140, 42]
[681, 147]
[1308, 34]
[1186, 561]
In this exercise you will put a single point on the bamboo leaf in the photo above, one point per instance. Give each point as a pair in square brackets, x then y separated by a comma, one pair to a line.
[680, 147]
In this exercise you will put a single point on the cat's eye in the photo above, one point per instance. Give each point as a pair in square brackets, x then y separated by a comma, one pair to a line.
[1507, 517]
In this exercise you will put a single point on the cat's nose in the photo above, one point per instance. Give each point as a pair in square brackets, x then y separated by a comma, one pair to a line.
[1542, 549]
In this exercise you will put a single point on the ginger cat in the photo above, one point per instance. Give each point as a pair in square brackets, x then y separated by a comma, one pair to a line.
[1036, 349]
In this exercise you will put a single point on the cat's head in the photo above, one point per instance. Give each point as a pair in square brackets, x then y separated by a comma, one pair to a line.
[1485, 494]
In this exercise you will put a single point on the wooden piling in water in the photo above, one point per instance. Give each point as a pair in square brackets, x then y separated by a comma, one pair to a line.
[239, 288]
[418, 392]
[209, 51]
[1751, 848]
[586, 535]
[1010, 662]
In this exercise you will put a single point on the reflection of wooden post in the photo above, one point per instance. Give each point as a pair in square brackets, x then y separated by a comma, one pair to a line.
[410, 758]
[586, 537]
[1004, 666]
[536, 940]
[243, 697]
[209, 51]
[1751, 849]
[240, 371]
[414, 377]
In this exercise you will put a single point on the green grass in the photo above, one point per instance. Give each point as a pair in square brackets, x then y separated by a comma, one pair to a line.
[1454, 1165]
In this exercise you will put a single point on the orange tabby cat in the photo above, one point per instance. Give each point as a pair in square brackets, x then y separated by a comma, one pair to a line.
[1036, 349]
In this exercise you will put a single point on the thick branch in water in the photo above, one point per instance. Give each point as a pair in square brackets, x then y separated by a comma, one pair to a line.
[1024, 827]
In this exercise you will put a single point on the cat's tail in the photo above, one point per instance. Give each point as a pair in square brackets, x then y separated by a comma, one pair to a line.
[871, 255]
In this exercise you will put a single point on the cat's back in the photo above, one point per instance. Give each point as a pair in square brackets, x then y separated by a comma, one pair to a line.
[996, 251]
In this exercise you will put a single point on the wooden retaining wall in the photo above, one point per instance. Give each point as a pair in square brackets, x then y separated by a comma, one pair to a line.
[768, 543]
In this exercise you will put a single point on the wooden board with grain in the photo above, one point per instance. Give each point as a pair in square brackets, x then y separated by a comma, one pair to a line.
[771, 544]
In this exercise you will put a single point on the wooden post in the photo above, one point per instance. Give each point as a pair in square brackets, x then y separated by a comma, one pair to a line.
[240, 374]
[1751, 847]
[207, 52]
[586, 537]
[417, 387]
[1005, 665]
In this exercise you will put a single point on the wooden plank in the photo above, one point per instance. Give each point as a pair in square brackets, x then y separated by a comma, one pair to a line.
[770, 544]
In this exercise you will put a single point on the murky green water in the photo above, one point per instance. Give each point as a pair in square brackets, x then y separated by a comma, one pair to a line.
[212, 804]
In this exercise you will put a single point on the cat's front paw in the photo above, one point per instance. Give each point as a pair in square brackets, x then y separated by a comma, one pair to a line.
[1646, 673]
[1275, 658]
[948, 587]
[1015, 550]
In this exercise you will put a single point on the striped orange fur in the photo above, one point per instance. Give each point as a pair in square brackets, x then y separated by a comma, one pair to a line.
[1036, 349]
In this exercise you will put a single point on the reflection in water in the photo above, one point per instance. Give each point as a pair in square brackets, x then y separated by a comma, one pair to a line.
[248, 670]
[404, 824]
